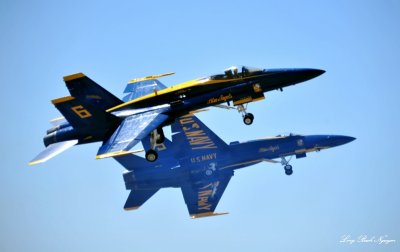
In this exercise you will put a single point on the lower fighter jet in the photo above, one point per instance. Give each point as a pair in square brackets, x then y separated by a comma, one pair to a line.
[201, 164]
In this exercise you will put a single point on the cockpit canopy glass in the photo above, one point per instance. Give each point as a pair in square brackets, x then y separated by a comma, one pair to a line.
[237, 72]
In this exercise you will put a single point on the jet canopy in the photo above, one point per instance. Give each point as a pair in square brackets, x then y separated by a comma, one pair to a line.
[237, 72]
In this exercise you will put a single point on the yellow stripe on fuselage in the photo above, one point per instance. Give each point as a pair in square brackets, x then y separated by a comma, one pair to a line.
[184, 85]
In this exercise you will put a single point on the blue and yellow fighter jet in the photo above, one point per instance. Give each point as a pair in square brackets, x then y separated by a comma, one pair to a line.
[201, 164]
[93, 114]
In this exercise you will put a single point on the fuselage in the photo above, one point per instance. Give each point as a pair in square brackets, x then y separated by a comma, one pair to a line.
[170, 172]
[241, 88]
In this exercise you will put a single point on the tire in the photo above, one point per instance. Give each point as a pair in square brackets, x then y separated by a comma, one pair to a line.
[248, 119]
[289, 172]
[288, 167]
[151, 155]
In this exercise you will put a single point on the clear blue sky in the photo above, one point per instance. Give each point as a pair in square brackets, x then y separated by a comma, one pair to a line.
[74, 202]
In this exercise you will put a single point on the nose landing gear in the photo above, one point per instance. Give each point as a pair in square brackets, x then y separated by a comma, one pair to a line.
[287, 167]
[248, 118]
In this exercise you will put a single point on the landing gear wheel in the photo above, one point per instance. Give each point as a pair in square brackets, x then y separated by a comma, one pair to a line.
[248, 118]
[288, 170]
[151, 155]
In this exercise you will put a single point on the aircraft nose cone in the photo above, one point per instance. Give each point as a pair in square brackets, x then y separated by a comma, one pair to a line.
[304, 74]
[311, 73]
[339, 140]
[327, 141]
[279, 78]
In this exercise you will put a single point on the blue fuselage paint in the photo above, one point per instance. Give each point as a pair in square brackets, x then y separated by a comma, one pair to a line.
[169, 172]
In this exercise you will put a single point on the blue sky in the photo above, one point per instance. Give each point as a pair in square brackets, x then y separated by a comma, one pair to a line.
[74, 202]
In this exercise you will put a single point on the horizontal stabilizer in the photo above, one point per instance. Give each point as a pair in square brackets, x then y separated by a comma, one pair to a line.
[53, 150]
[137, 198]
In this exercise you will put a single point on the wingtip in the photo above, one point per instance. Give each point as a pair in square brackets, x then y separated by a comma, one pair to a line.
[207, 214]
[62, 99]
[151, 77]
[35, 162]
[131, 208]
[118, 153]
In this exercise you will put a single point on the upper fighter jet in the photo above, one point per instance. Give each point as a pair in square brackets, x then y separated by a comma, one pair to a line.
[93, 114]
[201, 164]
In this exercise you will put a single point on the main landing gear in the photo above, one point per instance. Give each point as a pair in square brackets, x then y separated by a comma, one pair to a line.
[288, 168]
[156, 137]
[248, 118]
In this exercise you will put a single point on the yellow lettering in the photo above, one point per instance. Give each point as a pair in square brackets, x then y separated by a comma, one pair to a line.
[205, 193]
[203, 198]
[199, 140]
[207, 207]
[186, 120]
[221, 98]
[81, 111]
[194, 133]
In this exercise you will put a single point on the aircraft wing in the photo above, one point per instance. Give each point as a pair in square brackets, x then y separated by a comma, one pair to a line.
[202, 197]
[195, 138]
[143, 86]
[132, 129]
[52, 150]
[137, 198]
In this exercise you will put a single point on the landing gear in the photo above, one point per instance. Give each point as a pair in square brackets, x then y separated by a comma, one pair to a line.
[156, 137]
[248, 118]
[160, 136]
[288, 168]
[151, 155]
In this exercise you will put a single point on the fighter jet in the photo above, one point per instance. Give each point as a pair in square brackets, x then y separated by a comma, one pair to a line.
[201, 164]
[92, 114]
